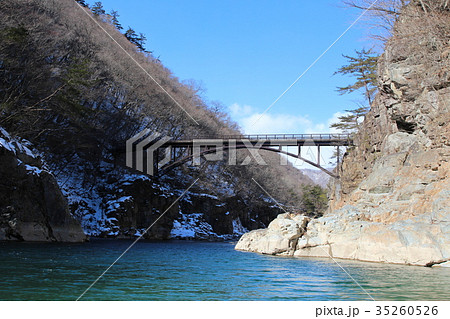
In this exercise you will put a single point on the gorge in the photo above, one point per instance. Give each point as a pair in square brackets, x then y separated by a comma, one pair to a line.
[69, 106]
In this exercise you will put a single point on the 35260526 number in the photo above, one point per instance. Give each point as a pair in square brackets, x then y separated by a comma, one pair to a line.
[406, 310]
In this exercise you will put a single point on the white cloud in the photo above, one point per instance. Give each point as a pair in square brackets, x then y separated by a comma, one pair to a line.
[253, 122]
[237, 110]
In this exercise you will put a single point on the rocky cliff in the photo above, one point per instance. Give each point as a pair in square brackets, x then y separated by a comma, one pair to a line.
[32, 206]
[38, 205]
[392, 203]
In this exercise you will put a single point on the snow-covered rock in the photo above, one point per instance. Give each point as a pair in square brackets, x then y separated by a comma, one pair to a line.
[32, 207]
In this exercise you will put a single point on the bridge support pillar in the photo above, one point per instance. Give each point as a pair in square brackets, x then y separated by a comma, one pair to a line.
[318, 154]
[338, 153]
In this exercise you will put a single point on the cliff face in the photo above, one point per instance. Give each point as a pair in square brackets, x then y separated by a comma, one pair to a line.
[392, 203]
[37, 205]
[413, 98]
[32, 206]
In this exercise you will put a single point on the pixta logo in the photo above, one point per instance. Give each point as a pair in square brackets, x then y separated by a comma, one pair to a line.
[142, 150]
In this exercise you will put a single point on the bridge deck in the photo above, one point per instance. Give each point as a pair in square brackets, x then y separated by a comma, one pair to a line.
[267, 139]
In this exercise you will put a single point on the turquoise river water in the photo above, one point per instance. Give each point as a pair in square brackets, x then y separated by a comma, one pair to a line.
[186, 270]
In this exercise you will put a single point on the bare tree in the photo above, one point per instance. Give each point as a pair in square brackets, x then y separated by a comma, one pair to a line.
[381, 15]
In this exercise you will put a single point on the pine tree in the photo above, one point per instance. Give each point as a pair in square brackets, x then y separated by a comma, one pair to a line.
[314, 199]
[350, 122]
[141, 41]
[115, 20]
[138, 40]
[364, 68]
[131, 35]
[82, 3]
[97, 9]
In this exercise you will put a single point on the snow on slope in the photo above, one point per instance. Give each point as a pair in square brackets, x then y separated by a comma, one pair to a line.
[193, 226]
[91, 207]
[20, 146]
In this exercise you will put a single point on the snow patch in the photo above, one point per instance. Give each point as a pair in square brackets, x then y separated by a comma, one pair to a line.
[114, 204]
[238, 229]
[194, 226]
[182, 230]
[6, 145]
[86, 203]
[139, 233]
[14, 144]
[33, 169]
[203, 195]
[191, 226]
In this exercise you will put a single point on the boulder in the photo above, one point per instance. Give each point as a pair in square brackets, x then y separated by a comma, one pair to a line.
[279, 238]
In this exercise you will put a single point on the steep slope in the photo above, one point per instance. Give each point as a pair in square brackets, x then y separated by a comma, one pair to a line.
[392, 202]
[77, 94]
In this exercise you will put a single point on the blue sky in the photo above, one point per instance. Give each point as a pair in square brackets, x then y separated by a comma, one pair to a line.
[246, 53]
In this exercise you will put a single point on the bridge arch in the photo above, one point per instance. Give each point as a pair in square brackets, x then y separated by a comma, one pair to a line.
[189, 157]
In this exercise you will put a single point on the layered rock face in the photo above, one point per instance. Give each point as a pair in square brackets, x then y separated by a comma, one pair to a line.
[392, 203]
[32, 207]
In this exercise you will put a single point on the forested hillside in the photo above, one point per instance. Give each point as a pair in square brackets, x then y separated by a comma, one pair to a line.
[74, 89]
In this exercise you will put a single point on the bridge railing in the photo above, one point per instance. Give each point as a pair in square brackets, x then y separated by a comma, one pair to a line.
[341, 137]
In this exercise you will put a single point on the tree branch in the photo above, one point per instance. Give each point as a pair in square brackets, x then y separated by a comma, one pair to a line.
[423, 7]
[48, 97]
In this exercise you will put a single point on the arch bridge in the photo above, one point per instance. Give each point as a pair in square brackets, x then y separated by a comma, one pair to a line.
[178, 152]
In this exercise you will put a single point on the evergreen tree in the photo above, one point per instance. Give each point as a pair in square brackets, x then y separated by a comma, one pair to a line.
[97, 9]
[314, 199]
[82, 3]
[141, 41]
[364, 68]
[138, 40]
[350, 122]
[115, 20]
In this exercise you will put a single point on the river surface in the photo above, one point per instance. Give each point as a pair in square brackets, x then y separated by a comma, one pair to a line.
[186, 270]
